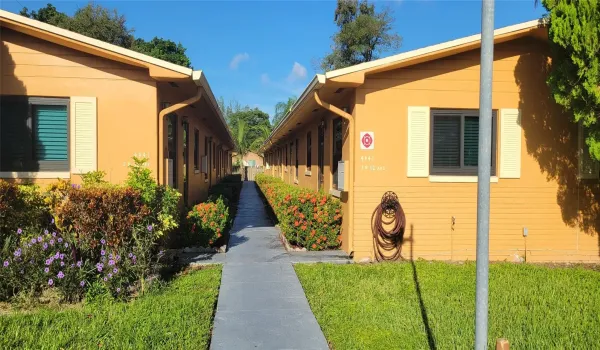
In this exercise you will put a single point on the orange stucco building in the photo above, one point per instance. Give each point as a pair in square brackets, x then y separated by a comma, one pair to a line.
[73, 104]
[420, 112]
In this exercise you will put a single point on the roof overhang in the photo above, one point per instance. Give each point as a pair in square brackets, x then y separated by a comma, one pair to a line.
[158, 69]
[354, 76]
[200, 80]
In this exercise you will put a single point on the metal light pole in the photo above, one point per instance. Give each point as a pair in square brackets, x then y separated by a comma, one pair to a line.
[483, 173]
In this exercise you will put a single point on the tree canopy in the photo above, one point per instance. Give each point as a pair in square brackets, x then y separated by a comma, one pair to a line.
[101, 23]
[574, 32]
[363, 34]
[281, 109]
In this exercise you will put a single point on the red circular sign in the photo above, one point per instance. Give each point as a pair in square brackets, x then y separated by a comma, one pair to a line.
[367, 140]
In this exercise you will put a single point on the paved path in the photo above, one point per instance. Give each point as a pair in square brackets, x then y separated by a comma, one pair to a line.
[261, 302]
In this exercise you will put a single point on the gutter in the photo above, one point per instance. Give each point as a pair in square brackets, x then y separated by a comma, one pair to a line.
[316, 83]
[161, 129]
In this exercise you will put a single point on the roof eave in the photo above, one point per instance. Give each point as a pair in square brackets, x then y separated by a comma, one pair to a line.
[199, 79]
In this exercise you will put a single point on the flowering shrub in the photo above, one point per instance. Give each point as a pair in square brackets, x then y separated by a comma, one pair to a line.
[307, 219]
[209, 220]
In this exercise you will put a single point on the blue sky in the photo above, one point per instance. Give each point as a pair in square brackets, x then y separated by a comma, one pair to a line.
[262, 52]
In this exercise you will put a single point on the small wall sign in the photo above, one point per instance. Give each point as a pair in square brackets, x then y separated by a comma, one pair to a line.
[367, 140]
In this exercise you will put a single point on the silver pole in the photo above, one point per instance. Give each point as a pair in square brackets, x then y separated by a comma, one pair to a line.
[483, 173]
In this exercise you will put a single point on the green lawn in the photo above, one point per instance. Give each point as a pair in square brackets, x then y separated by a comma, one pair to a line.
[379, 307]
[178, 316]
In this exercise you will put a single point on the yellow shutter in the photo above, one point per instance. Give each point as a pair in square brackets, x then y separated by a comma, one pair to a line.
[84, 146]
[418, 142]
[510, 143]
[589, 168]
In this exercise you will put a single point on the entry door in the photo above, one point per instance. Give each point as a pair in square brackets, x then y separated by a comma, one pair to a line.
[186, 128]
[321, 154]
[172, 148]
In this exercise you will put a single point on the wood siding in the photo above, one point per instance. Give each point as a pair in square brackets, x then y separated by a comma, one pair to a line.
[560, 212]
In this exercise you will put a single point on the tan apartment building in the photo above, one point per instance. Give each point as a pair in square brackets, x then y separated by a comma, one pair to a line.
[409, 124]
[71, 104]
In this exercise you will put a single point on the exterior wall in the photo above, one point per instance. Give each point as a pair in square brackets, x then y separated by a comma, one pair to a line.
[202, 118]
[126, 96]
[258, 160]
[559, 211]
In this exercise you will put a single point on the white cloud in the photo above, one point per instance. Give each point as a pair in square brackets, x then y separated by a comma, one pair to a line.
[237, 59]
[264, 78]
[298, 73]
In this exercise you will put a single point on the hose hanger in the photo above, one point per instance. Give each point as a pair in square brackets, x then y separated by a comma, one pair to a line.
[387, 243]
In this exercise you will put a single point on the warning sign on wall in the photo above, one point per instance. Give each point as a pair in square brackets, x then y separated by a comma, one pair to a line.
[367, 140]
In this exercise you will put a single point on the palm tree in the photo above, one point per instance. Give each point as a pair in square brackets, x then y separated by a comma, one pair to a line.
[282, 108]
[242, 146]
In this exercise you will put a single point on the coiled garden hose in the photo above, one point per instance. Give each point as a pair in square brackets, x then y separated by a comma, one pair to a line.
[387, 243]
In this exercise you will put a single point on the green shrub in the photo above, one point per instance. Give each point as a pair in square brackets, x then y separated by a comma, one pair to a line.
[94, 178]
[209, 220]
[307, 219]
[21, 207]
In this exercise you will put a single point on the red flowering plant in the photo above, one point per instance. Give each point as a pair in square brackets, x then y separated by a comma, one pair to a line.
[209, 220]
[307, 218]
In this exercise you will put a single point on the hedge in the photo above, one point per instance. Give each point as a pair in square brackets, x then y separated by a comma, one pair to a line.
[307, 218]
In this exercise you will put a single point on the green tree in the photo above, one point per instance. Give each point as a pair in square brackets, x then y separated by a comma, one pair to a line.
[281, 109]
[254, 122]
[363, 34]
[163, 49]
[230, 107]
[101, 23]
[242, 143]
[574, 33]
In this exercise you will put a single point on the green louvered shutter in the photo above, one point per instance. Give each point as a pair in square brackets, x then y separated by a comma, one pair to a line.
[51, 132]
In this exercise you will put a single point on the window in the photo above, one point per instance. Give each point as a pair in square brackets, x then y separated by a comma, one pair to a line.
[308, 151]
[297, 141]
[336, 149]
[214, 151]
[34, 134]
[455, 142]
[291, 153]
[196, 149]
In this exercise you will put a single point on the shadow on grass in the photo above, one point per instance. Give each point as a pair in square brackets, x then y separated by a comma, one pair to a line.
[425, 318]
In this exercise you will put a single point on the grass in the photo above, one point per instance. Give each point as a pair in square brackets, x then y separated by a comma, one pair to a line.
[431, 305]
[177, 316]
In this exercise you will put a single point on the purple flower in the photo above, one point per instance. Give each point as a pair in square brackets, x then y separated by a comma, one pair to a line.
[61, 256]
[45, 232]
[45, 246]
[52, 222]
[105, 279]
[59, 240]
[72, 265]
[118, 257]
[102, 252]
[33, 240]
[102, 241]
[66, 245]
[130, 255]
[19, 231]
[50, 282]
[6, 263]
[51, 242]
[110, 256]
[118, 290]
[17, 252]
[53, 233]
[82, 283]
[99, 268]
[160, 253]
[60, 274]
[57, 255]
[79, 263]
[47, 269]
[62, 263]
[48, 261]
[111, 262]
[149, 228]
[109, 275]
[115, 270]
[73, 186]
[39, 239]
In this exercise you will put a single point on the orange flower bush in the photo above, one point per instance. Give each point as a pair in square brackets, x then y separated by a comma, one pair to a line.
[209, 220]
[307, 218]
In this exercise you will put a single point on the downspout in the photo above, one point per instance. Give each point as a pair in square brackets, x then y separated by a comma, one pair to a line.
[350, 119]
[161, 127]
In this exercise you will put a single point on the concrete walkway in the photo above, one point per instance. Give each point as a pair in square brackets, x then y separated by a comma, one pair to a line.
[261, 302]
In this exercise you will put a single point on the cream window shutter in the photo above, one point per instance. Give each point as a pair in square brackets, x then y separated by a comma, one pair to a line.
[418, 142]
[589, 167]
[510, 143]
[84, 141]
